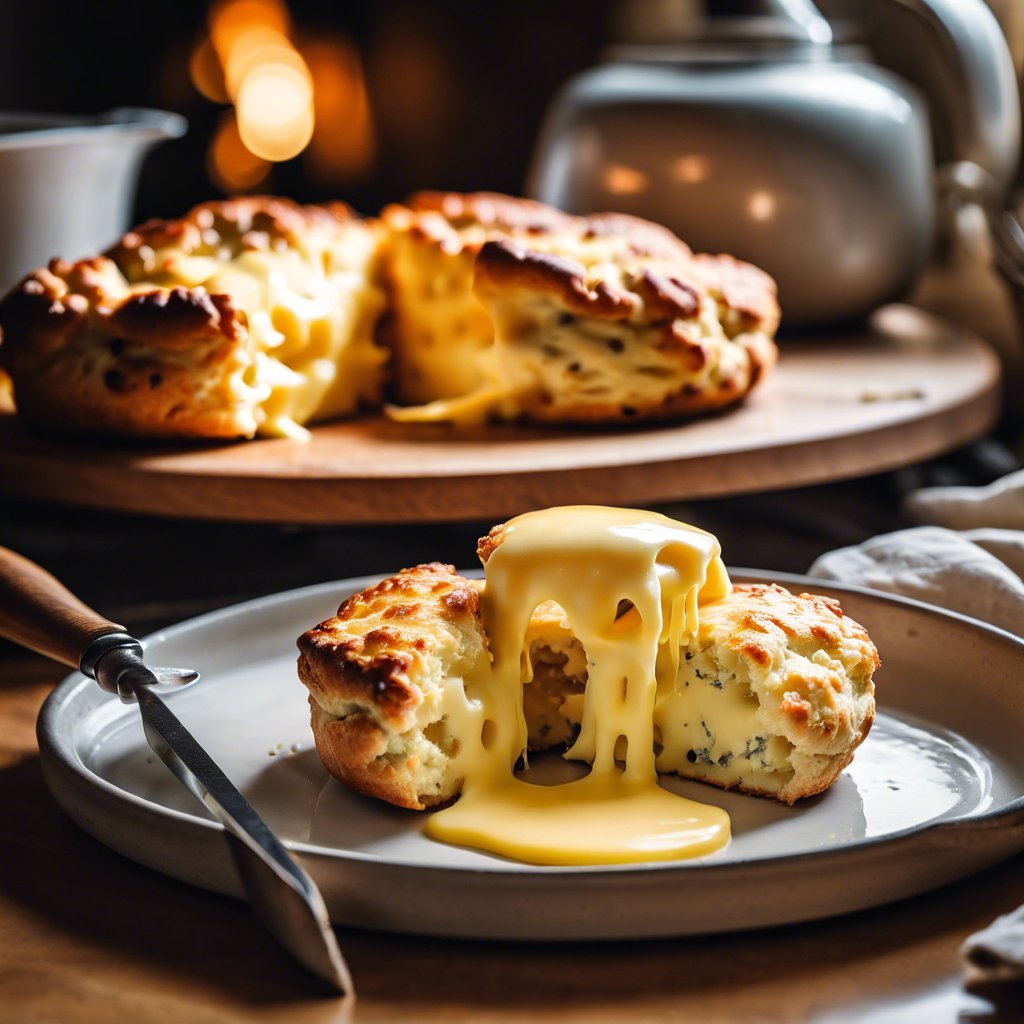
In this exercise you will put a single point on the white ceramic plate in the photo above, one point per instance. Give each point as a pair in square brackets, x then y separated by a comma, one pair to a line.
[932, 795]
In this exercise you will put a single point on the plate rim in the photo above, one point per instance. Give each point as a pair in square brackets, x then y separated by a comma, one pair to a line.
[1008, 815]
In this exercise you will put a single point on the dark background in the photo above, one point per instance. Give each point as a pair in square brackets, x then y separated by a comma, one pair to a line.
[457, 88]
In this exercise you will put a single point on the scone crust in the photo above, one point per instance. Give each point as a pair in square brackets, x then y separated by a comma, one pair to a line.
[85, 355]
[669, 306]
[112, 345]
[361, 667]
[339, 661]
[703, 324]
[812, 667]
[448, 219]
[238, 223]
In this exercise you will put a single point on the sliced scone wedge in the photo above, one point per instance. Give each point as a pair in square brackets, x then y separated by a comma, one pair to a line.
[508, 309]
[605, 336]
[245, 316]
[438, 331]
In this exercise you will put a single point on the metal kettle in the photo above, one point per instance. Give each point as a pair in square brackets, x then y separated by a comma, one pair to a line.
[756, 127]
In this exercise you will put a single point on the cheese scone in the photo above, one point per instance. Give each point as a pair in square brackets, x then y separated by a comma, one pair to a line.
[438, 330]
[245, 316]
[506, 308]
[771, 697]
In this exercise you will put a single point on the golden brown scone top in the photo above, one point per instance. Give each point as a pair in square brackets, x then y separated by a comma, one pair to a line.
[612, 285]
[382, 638]
[56, 302]
[530, 240]
[225, 228]
[459, 219]
[816, 661]
[441, 215]
[804, 622]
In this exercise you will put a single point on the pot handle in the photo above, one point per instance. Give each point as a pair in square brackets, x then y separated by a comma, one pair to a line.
[954, 51]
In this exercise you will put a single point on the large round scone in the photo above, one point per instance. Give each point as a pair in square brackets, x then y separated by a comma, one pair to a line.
[771, 697]
[506, 308]
[245, 316]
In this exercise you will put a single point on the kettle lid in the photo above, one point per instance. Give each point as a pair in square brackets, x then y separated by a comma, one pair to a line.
[722, 21]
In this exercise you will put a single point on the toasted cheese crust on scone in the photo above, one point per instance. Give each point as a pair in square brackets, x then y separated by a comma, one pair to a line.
[245, 316]
[258, 316]
[772, 696]
[795, 667]
[438, 331]
[506, 308]
[380, 675]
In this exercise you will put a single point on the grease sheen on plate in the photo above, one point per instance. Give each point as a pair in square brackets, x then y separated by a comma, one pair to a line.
[942, 758]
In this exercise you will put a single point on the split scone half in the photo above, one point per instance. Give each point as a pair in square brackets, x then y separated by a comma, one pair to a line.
[509, 309]
[771, 697]
[245, 316]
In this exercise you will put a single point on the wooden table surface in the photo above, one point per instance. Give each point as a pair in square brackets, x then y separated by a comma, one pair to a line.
[87, 936]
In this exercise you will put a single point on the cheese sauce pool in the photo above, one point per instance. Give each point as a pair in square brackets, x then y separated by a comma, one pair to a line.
[631, 583]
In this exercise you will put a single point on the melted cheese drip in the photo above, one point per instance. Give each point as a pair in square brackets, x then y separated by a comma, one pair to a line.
[311, 317]
[589, 560]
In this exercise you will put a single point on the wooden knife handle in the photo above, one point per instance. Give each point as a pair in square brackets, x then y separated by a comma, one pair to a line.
[37, 611]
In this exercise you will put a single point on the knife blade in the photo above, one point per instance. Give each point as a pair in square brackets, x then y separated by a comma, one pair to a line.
[38, 612]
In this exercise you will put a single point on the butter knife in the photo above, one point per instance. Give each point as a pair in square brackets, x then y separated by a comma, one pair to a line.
[39, 612]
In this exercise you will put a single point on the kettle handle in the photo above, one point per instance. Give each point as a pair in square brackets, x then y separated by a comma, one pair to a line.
[954, 51]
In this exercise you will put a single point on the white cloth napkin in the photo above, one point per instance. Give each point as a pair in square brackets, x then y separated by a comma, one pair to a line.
[1000, 504]
[972, 573]
[970, 559]
[996, 953]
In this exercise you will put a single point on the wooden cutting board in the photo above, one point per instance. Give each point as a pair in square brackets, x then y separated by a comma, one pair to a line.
[909, 387]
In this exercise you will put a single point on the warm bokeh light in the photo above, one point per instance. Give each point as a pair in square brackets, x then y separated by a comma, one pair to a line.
[761, 205]
[231, 166]
[343, 144]
[279, 96]
[205, 70]
[254, 49]
[275, 111]
[624, 181]
[691, 170]
[230, 19]
[6, 392]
